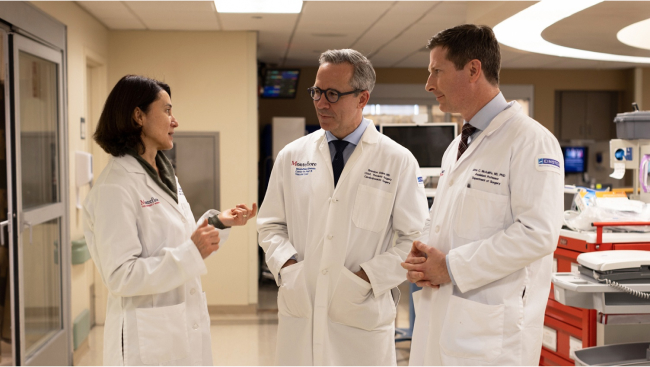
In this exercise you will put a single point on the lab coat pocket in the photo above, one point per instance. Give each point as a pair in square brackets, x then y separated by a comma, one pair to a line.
[293, 299]
[372, 208]
[481, 214]
[471, 330]
[162, 334]
[353, 304]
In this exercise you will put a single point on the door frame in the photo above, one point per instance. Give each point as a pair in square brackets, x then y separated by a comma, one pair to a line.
[61, 343]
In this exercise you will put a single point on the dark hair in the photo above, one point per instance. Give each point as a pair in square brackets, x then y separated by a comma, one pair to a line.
[117, 132]
[467, 42]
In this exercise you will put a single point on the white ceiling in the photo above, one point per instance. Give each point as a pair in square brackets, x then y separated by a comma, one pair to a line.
[390, 33]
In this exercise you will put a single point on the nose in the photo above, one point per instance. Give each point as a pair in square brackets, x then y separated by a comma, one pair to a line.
[322, 103]
[430, 86]
[174, 122]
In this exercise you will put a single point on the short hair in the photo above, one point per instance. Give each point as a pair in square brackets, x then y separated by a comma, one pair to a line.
[117, 132]
[363, 77]
[468, 42]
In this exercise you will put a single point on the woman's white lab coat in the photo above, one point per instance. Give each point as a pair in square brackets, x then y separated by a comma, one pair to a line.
[497, 213]
[139, 239]
[328, 315]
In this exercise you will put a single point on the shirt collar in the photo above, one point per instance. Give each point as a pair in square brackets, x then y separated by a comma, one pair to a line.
[354, 137]
[486, 114]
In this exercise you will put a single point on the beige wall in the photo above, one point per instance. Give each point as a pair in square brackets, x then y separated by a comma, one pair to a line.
[87, 42]
[213, 77]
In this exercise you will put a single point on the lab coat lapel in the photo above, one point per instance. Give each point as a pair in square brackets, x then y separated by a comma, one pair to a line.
[324, 149]
[132, 166]
[495, 125]
[370, 136]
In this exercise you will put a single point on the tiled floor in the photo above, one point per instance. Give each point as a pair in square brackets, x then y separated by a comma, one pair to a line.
[244, 339]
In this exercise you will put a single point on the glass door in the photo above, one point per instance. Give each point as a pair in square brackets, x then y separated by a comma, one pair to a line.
[41, 293]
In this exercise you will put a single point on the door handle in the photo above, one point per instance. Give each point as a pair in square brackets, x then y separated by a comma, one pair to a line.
[25, 225]
[2, 232]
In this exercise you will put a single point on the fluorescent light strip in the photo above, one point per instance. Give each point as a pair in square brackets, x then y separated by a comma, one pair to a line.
[636, 35]
[259, 6]
[524, 31]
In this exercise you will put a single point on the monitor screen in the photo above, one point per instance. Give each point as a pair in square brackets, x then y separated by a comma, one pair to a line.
[280, 83]
[427, 142]
[575, 159]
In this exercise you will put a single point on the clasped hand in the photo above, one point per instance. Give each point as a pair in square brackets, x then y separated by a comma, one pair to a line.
[426, 266]
[237, 216]
[206, 237]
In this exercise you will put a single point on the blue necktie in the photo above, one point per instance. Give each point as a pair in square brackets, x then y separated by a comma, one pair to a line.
[337, 162]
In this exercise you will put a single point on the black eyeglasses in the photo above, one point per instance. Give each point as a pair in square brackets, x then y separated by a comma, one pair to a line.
[332, 95]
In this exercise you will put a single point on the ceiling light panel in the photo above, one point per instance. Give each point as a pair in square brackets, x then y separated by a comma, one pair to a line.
[636, 35]
[259, 6]
[523, 31]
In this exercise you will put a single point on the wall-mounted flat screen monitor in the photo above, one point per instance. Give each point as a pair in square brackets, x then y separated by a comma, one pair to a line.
[427, 142]
[280, 83]
[575, 159]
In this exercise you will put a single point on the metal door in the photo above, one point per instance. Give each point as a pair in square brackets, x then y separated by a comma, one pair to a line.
[38, 204]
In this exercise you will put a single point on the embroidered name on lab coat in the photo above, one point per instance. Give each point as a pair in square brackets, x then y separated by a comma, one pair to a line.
[303, 168]
[486, 176]
[151, 202]
[378, 176]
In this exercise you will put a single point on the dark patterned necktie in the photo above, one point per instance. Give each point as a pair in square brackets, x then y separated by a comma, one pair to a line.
[337, 162]
[467, 131]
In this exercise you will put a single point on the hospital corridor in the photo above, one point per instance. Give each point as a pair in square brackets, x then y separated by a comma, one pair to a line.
[325, 183]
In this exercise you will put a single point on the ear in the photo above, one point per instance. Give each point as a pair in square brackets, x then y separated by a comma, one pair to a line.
[138, 116]
[363, 101]
[474, 69]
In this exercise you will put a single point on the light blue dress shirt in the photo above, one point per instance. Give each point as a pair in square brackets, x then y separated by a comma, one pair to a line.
[481, 121]
[353, 139]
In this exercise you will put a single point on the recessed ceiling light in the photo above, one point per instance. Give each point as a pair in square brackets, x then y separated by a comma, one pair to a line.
[523, 31]
[258, 6]
[636, 35]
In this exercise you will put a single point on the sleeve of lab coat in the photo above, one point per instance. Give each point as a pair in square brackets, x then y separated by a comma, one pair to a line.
[272, 222]
[118, 248]
[536, 199]
[409, 218]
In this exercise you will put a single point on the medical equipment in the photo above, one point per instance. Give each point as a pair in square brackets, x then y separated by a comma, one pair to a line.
[615, 283]
[634, 155]
[427, 142]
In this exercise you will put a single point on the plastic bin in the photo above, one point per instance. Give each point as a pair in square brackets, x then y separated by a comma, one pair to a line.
[633, 125]
[629, 354]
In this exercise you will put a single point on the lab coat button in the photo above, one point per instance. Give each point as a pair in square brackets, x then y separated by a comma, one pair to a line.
[437, 229]
[329, 236]
[192, 291]
[196, 326]
[183, 220]
[451, 182]
[324, 272]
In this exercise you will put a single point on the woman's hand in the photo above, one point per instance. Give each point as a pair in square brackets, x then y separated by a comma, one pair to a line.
[237, 216]
[206, 238]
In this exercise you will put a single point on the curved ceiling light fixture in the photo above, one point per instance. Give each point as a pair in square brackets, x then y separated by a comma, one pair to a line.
[523, 31]
[636, 35]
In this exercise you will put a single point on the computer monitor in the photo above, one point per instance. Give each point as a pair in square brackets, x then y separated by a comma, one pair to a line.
[280, 83]
[427, 142]
[575, 159]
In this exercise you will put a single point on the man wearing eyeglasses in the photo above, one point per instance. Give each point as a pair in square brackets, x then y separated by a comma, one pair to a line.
[335, 200]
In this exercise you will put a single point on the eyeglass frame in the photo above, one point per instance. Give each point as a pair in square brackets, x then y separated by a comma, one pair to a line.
[313, 89]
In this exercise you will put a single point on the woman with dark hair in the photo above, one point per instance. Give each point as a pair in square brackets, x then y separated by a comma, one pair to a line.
[142, 236]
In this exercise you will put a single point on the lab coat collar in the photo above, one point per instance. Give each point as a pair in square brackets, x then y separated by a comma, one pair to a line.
[131, 165]
[495, 125]
[370, 136]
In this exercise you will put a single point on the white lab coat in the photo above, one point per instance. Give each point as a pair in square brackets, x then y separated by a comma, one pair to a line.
[327, 314]
[139, 239]
[498, 214]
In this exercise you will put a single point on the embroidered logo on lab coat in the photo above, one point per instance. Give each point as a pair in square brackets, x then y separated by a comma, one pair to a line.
[151, 202]
[420, 181]
[303, 168]
[544, 162]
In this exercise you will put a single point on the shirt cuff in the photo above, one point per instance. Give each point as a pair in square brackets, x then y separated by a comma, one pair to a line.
[449, 270]
[216, 223]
